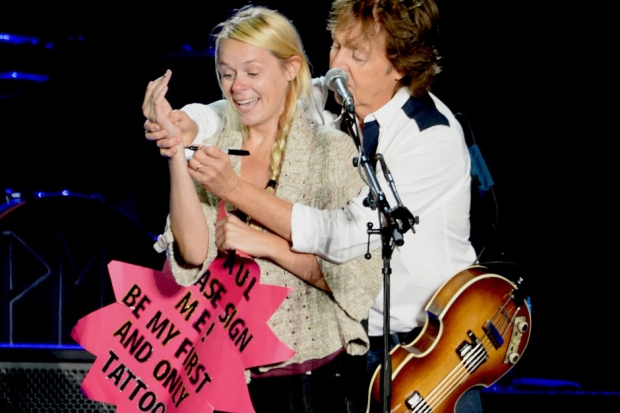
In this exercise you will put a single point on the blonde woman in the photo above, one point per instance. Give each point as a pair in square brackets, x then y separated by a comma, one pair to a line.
[265, 78]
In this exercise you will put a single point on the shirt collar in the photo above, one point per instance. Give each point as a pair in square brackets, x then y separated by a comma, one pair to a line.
[385, 114]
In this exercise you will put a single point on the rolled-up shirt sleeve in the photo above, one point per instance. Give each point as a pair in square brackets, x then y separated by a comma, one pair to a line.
[207, 117]
[338, 235]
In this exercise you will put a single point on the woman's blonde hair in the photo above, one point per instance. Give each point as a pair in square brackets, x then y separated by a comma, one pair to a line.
[270, 30]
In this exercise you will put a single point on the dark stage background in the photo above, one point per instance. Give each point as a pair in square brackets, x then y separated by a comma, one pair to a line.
[81, 130]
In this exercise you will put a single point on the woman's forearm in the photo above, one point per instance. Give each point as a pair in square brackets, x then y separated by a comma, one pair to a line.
[187, 219]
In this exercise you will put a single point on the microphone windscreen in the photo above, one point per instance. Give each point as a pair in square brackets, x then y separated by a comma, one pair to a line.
[334, 73]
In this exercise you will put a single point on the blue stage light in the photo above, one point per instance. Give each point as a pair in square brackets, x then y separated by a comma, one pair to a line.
[18, 39]
[33, 77]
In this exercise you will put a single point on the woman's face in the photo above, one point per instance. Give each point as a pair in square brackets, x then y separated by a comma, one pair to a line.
[254, 81]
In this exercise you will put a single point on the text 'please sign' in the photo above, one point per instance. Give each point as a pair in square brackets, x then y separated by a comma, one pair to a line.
[162, 347]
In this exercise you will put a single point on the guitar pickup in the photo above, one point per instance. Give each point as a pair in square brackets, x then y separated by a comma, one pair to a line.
[473, 354]
[416, 403]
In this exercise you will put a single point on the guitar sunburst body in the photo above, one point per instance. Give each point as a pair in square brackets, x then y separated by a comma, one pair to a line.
[476, 330]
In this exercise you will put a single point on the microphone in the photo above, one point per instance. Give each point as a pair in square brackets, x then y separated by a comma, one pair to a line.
[336, 80]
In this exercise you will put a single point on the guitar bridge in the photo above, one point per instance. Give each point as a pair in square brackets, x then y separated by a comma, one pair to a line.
[493, 334]
[473, 354]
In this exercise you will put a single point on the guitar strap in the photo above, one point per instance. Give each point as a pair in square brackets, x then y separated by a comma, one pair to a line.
[484, 213]
[480, 174]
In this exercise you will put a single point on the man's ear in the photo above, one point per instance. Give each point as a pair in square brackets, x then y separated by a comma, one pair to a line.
[398, 75]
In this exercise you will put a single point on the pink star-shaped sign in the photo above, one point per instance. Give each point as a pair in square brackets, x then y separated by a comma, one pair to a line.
[165, 348]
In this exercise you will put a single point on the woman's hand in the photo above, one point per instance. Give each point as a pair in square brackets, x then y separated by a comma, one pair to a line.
[163, 125]
[211, 168]
[233, 234]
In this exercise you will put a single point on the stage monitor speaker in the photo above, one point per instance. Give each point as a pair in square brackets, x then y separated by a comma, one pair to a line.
[45, 380]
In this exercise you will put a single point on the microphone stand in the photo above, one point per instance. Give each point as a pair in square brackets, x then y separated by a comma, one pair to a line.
[395, 222]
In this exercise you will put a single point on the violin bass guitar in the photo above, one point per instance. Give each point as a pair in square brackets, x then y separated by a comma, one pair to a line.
[477, 328]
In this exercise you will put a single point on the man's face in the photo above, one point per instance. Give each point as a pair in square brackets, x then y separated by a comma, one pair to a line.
[372, 78]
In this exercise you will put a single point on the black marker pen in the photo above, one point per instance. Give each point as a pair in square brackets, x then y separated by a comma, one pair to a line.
[238, 152]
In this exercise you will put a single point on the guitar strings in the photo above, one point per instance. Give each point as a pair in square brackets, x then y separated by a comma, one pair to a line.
[476, 358]
[457, 376]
